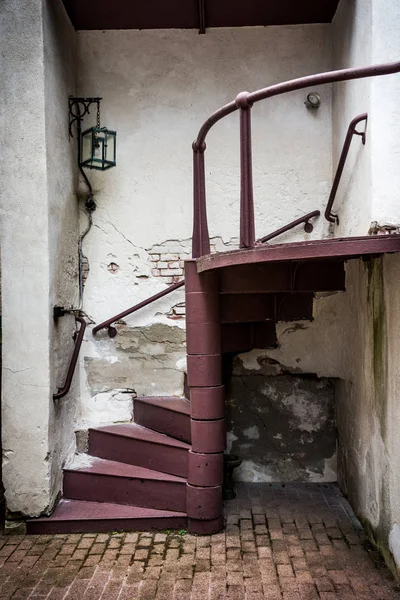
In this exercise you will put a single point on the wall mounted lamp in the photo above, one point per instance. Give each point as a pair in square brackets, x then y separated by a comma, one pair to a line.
[97, 145]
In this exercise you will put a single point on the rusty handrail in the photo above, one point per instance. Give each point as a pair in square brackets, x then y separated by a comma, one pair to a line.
[78, 343]
[308, 227]
[243, 102]
[351, 132]
[125, 313]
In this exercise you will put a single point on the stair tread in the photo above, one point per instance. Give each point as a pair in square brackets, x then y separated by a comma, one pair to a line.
[181, 405]
[102, 466]
[138, 432]
[71, 510]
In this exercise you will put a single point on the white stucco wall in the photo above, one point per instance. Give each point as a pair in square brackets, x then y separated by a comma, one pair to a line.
[38, 237]
[386, 115]
[352, 47]
[157, 88]
[60, 59]
[366, 33]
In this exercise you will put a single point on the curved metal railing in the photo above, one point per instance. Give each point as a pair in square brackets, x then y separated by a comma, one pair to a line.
[244, 102]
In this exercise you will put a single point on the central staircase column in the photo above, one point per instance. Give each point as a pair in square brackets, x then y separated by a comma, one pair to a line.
[203, 337]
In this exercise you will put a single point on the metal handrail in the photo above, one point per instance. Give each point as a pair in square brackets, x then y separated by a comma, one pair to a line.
[308, 227]
[351, 132]
[78, 343]
[244, 102]
[125, 313]
[291, 86]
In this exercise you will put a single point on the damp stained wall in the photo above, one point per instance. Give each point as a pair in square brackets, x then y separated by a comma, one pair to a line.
[281, 423]
[368, 410]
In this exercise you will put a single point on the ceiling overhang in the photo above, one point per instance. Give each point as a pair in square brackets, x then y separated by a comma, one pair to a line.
[196, 14]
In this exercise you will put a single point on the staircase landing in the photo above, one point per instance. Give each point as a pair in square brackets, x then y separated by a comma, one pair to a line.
[315, 250]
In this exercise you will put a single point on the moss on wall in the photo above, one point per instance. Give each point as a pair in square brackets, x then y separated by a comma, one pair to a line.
[376, 311]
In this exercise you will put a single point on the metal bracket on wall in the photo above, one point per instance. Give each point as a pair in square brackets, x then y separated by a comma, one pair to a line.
[79, 108]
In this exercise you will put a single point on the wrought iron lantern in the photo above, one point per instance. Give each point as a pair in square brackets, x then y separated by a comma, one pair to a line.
[98, 148]
[97, 145]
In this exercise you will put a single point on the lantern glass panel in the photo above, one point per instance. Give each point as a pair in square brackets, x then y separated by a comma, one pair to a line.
[86, 148]
[110, 148]
[98, 148]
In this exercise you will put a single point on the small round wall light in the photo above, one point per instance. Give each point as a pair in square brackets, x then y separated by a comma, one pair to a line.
[313, 100]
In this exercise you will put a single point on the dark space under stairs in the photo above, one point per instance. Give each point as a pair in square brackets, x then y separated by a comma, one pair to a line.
[165, 470]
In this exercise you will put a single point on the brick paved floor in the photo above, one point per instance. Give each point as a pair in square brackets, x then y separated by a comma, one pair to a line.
[297, 542]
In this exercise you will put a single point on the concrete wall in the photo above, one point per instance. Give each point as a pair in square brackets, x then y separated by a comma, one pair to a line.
[157, 88]
[38, 237]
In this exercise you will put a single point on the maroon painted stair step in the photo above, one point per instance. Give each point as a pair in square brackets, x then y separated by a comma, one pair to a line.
[253, 308]
[167, 415]
[77, 516]
[136, 445]
[103, 480]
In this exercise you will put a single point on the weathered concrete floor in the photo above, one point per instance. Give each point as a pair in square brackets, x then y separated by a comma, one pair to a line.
[297, 542]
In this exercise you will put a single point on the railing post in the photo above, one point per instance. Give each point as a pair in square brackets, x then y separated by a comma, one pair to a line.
[247, 231]
[200, 238]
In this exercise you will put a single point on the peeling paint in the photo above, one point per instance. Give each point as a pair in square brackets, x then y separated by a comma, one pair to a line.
[281, 425]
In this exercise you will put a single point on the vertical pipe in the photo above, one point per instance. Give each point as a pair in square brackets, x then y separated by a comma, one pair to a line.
[247, 230]
[200, 238]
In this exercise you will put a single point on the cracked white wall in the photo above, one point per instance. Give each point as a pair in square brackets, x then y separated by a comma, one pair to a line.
[157, 88]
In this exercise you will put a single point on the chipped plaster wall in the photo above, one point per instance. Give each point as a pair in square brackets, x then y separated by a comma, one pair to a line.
[281, 424]
[38, 236]
[157, 89]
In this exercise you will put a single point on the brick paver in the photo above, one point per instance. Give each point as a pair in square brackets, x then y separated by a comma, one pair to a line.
[294, 542]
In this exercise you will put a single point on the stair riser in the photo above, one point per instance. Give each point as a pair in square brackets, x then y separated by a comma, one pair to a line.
[246, 308]
[106, 525]
[283, 277]
[177, 425]
[242, 337]
[166, 459]
[163, 495]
